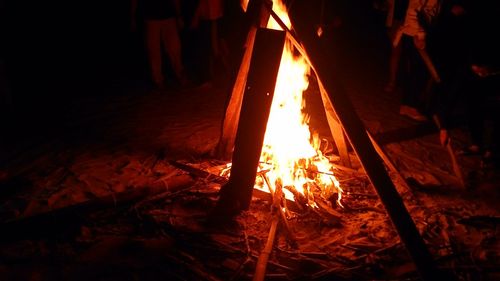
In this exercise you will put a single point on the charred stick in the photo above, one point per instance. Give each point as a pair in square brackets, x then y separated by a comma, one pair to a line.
[300, 199]
[329, 210]
[454, 162]
[282, 215]
[199, 173]
[260, 269]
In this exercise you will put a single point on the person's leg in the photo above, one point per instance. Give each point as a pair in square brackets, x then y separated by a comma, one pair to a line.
[393, 67]
[172, 45]
[411, 79]
[153, 46]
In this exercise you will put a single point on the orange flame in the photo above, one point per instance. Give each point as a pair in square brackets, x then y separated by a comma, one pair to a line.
[244, 4]
[287, 143]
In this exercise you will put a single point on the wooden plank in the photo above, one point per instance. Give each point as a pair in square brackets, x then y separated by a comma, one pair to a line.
[259, 91]
[335, 128]
[225, 146]
[258, 17]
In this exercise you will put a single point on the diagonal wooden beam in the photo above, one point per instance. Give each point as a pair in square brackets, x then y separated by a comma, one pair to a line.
[370, 160]
[374, 167]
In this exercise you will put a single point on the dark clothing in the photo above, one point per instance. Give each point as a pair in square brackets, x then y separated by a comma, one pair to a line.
[483, 105]
[158, 9]
[484, 30]
[449, 46]
[459, 43]
[412, 72]
[400, 7]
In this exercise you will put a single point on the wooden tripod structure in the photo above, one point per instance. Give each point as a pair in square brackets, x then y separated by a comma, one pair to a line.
[250, 104]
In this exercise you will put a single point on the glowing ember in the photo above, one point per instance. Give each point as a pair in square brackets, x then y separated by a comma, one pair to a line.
[289, 156]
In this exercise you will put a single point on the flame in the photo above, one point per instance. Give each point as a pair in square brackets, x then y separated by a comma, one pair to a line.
[293, 161]
[280, 9]
[244, 4]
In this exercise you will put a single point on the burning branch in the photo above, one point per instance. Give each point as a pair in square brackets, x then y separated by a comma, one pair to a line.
[277, 213]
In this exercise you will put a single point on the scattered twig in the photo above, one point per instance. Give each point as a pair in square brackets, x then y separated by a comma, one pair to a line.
[260, 268]
[453, 158]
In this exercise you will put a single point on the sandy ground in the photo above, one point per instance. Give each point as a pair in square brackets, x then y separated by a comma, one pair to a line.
[123, 141]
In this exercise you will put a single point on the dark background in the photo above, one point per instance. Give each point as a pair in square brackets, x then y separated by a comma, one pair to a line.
[55, 52]
[57, 48]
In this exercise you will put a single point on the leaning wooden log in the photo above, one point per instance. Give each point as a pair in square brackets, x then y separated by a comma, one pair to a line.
[389, 163]
[373, 165]
[237, 194]
[370, 160]
[258, 17]
[336, 129]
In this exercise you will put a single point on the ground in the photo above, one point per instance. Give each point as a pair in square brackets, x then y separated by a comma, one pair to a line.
[98, 197]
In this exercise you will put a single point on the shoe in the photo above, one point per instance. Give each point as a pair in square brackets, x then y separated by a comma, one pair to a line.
[412, 113]
[470, 150]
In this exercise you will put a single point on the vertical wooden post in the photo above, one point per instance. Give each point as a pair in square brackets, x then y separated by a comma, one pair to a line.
[259, 16]
[236, 195]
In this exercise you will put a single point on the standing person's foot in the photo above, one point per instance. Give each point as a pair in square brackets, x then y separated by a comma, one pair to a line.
[412, 113]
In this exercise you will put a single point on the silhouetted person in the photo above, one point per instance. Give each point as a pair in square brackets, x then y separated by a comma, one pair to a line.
[162, 22]
[412, 35]
[396, 11]
[206, 22]
[481, 81]
[450, 50]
